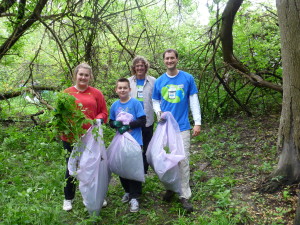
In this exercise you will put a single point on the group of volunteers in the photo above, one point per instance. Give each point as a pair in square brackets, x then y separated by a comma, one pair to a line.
[142, 96]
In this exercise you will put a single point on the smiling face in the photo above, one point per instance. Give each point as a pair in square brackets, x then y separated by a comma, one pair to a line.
[83, 77]
[123, 91]
[140, 69]
[170, 60]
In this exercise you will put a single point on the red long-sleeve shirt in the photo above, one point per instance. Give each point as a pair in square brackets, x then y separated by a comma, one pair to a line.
[93, 103]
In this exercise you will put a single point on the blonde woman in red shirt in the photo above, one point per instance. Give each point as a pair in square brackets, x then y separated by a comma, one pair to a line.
[94, 105]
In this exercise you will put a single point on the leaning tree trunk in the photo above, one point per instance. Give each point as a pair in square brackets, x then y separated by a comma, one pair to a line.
[288, 145]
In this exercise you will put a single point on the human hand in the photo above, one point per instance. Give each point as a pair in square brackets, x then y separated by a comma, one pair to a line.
[117, 124]
[98, 122]
[159, 118]
[196, 130]
[123, 129]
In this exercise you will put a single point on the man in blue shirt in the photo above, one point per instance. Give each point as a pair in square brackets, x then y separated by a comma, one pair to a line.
[175, 91]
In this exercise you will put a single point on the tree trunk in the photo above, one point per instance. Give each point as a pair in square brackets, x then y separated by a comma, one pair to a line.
[288, 145]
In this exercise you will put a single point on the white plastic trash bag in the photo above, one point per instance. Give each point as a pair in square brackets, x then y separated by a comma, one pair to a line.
[165, 151]
[125, 154]
[88, 163]
[125, 157]
[125, 117]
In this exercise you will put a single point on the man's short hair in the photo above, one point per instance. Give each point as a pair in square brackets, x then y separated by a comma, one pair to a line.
[169, 51]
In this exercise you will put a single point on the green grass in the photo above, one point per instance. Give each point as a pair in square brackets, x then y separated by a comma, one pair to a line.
[32, 179]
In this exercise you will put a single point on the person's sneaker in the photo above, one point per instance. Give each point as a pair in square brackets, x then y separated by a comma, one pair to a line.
[186, 205]
[125, 198]
[134, 205]
[168, 196]
[104, 204]
[67, 206]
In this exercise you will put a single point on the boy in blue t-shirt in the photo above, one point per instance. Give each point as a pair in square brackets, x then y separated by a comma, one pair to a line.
[133, 189]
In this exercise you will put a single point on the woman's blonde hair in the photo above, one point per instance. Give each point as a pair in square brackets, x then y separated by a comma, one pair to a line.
[84, 66]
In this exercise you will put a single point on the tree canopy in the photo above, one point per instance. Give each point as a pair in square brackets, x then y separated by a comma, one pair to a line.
[45, 40]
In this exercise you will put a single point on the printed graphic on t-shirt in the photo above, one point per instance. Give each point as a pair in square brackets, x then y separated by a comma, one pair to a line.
[121, 109]
[173, 93]
[139, 94]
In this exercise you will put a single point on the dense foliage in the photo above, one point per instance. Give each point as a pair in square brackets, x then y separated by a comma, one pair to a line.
[68, 117]
[226, 166]
[107, 35]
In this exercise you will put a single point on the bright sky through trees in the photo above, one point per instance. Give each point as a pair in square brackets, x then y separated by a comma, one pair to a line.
[202, 16]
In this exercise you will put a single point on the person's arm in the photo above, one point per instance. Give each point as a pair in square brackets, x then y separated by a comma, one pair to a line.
[157, 109]
[115, 124]
[139, 122]
[102, 109]
[156, 100]
[196, 113]
[156, 105]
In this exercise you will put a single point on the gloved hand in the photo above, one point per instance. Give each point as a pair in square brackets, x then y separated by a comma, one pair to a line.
[123, 129]
[117, 124]
[98, 122]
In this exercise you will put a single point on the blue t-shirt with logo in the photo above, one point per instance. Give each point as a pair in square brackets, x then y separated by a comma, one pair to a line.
[174, 95]
[134, 108]
[139, 93]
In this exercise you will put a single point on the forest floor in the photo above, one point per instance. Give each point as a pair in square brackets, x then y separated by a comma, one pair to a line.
[249, 155]
[229, 161]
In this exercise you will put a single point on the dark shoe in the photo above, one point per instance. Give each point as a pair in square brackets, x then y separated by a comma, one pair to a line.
[186, 205]
[168, 196]
[125, 198]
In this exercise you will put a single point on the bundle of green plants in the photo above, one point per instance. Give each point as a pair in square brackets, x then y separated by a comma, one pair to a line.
[68, 117]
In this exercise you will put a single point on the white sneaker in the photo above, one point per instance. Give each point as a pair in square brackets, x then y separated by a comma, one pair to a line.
[125, 198]
[104, 204]
[134, 205]
[67, 206]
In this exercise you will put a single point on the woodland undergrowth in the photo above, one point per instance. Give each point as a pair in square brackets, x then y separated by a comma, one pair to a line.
[228, 162]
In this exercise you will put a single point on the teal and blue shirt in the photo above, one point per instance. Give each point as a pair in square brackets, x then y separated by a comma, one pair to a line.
[174, 93]
[134, 108]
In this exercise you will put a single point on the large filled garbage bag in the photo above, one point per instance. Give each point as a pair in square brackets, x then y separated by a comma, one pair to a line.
[125, 154]
[165, 151]
[88, 163]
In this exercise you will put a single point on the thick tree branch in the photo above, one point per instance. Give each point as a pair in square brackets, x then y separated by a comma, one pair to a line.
[21, 28]
[5, 5]
[16, 93]
[227, 47]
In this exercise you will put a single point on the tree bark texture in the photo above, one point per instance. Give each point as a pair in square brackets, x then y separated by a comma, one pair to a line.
[288, 143]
